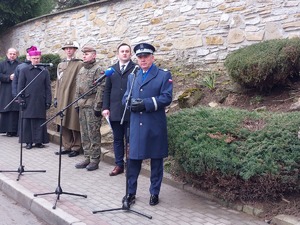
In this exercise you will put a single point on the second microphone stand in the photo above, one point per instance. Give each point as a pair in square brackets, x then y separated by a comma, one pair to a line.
[22, 103]
[126, 205]
[58, 191]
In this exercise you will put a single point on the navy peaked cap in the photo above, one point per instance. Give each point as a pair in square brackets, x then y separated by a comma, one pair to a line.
[143, 49]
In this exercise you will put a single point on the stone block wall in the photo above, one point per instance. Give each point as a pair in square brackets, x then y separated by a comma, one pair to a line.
[192, 34]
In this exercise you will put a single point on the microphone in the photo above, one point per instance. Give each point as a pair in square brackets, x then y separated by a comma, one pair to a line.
[135, 69]
[107, 73]
[44, 64]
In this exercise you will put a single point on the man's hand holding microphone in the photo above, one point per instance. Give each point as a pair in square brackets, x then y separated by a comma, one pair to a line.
[137, 105]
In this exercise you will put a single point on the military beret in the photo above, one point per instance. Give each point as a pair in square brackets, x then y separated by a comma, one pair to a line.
[88, 49]
[143, 49]
[70, 44]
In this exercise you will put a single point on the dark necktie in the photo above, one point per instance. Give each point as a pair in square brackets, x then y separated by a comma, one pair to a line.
[122, 69]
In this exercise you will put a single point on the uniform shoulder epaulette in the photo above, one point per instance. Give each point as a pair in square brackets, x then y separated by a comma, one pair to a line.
[166, 70]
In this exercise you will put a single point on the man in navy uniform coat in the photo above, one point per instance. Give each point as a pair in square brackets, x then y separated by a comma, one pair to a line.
[151, 93]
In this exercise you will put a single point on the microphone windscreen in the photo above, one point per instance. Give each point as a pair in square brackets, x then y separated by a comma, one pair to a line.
[109, 72]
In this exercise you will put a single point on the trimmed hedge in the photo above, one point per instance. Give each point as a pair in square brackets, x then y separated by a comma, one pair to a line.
[236, 153]
[266, 64]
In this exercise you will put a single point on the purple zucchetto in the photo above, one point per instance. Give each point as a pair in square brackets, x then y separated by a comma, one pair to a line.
[33, 51]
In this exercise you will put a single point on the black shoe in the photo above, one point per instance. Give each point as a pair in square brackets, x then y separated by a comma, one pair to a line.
[128, 200]
[64, 152]
[39, 145]
[28, 146]
[154, 200]
[74, 153]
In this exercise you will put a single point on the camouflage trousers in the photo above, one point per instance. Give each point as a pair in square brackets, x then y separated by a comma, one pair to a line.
[90, 134]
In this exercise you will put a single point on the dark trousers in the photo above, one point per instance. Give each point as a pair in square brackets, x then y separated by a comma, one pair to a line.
[120, 133]
[134, 168]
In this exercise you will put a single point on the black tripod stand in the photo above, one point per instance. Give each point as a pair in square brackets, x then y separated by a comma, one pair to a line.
[126, 205]
[58, 191]
[21, 169]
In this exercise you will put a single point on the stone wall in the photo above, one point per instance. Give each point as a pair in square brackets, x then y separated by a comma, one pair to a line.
[188, 34]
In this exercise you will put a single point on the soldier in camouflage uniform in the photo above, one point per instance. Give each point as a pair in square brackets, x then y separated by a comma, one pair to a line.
[89, 110]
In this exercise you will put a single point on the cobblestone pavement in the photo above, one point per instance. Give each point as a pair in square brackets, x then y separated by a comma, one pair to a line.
[103, 192]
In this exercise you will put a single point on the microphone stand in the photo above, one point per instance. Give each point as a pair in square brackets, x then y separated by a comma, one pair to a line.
[21, 169]
[126, 206]
[58, 191]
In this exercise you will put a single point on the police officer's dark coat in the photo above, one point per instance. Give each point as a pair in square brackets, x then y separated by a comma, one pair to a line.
[148, 129]
[37, 94]
[115, 87]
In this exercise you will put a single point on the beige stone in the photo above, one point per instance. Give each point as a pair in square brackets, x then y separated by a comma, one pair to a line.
[187, 42]
[207, 24]
[214, 40]
[254, 36]
[235, 36]
[155, 21]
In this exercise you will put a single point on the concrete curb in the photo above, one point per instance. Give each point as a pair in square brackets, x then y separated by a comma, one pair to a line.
[38, 206]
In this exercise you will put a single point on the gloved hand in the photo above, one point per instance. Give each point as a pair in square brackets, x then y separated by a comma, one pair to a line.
[55, 103]
[137, 105]
[48, 106]
[97, 113]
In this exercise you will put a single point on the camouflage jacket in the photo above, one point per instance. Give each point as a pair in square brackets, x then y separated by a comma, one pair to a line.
[85, 83]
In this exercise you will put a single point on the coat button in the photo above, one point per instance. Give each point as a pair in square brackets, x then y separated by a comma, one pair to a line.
[141, 113]
[141, 124]
[141, 89]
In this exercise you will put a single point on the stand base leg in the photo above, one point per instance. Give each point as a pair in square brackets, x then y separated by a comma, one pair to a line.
[126, 208]
[59, 192]
[21, 170]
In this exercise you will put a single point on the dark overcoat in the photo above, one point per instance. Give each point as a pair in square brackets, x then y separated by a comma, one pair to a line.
[38, 93]
[6, 69]
[148, 129]
[14, 83]
[115, 87]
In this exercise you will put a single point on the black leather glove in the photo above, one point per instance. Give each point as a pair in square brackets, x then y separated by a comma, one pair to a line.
[97, 113]
[137, 105]
[48, 106]
[55, 103]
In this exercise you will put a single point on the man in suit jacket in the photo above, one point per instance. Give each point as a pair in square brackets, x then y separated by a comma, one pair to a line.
[115, 88]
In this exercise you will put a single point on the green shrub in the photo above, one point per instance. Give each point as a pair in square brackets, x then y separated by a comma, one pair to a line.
[54, 59]
[266, 64]
[237, 153]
